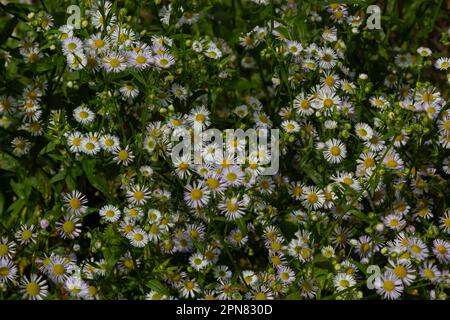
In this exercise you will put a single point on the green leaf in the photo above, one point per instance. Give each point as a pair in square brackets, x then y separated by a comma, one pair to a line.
[98, 182]
[158, 287]
[49, 147]
[70, 182]
[2, 203]
[8, 162]
[14, 210]
[241, 225]
[8, 29]
[294, 296]
[58, 177]
[360, 215]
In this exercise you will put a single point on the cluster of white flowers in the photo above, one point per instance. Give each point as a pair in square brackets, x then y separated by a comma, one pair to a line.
[363, 176]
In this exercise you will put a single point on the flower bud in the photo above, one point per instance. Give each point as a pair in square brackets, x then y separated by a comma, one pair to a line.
[44, 224]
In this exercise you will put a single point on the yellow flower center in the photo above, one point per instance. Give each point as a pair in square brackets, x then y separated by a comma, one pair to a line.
[58, 269]
[75, 203]
[138, 195]
[68, 227]
[138, 237]
[344, 283]
[428, 97]
[200, 117]
[441, 249]
[365, 247]
[429, 273]
[72, 46]
[26, 235]
[335, 151]
[394, 223]
[415, 248]
[290, 127]
[83, 114]
[3, 249]
[212, 183]
[362, 132]
[164, 62]
[196, 194]
[276, 260]
[329, 81]
[4, 272]
[32, 289]
[114, 62]
[99, 43]
[231, 176]
[369, 162]
[109, 142]
[232, 206]
[128, 263]
[306, 253]
[400, 272]
[312, 198]
[304, 104]
[348, 181]
[276, 246]
[189, 285]
[328, 103]
[391, 163]
[388, 285]
[123, 155]
[141, 59]
[183, 166]
[154, 229]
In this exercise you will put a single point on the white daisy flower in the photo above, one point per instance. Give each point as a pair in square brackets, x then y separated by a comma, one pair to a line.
[75, 202]
[196, 195]
[110, 213]
[110, 142]
[293, 47]
[138, 195]
[72, 45]
[34, 288]
[290, 126]
[138, 238]
[76, 287]
[334, 151]
[69, 227]
[83, 115]
[129, 90]
[114, 62]
[327, 58]
[232, 175]
[442, 63]
[424, 52]
[389, 286]
[8, 271]
[123, 156]
[343, 281]
[363, 131]
[302, 103]
[197, 261]
[393, 161]
[312, 197]
[90, 145]
[164, 61]
[234, 208]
